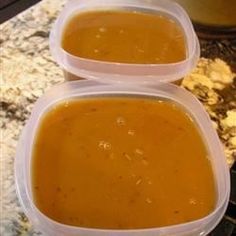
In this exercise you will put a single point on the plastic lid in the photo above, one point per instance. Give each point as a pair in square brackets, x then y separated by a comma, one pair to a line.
[122, 72]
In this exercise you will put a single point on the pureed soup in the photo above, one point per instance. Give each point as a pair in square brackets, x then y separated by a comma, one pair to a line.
[121, 163]
[125, 37]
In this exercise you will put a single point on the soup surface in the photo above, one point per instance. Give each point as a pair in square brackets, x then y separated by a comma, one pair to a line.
[121, 163]
[124, 36]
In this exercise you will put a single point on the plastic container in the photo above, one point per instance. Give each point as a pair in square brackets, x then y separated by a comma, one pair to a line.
[77, 67]
[87, 88]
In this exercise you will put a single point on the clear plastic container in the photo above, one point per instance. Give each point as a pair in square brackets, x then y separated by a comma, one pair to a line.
[77, 67]
[86, 88]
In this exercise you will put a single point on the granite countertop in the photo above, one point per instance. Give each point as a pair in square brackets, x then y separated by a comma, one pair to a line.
[28, 70]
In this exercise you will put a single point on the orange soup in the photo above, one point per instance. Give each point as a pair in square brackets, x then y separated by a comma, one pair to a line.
[124, 36]
[121, 163]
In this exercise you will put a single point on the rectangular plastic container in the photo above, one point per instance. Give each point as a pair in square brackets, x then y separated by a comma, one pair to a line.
[88, 88]
[77, 67]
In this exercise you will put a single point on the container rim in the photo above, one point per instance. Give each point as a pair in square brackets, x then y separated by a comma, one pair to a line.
[125, 72]
[78, 89]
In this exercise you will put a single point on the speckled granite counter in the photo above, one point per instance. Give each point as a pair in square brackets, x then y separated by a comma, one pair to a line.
[28, 70]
